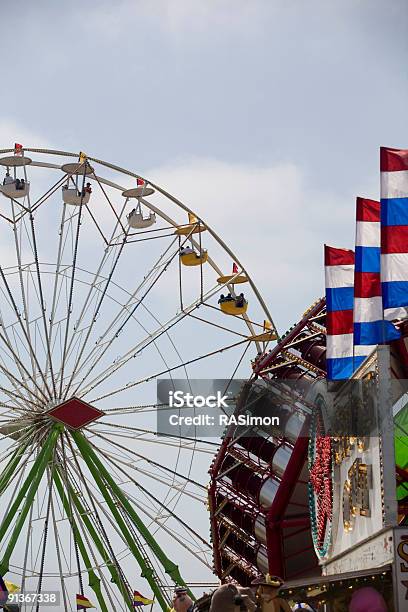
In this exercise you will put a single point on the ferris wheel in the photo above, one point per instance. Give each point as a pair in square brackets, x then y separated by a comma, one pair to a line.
[107, 283]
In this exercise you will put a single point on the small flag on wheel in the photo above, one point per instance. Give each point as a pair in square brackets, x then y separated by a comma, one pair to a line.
[11, 587]
[192, 218]
[140, 600]
[267, 325]
[83, 602]
[140, 181]
[18, 149]
[3, 592]
[234, 268]
[82, 157]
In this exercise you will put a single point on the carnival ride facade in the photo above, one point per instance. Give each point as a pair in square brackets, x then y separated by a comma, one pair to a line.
[105, 287]
[271, 503]
[259, 478]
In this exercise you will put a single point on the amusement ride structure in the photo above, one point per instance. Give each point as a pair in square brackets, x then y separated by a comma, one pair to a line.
[259, 478]
[272, 491]
[105, 287]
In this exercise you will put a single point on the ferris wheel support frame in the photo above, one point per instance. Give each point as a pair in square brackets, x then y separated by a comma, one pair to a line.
[29, 487]
[93, 580]
[103, 481]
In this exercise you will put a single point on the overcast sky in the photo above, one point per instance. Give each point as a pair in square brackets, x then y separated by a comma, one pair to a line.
[265, 116]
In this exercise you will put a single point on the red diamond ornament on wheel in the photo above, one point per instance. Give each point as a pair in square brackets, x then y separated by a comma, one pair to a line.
[75, 413]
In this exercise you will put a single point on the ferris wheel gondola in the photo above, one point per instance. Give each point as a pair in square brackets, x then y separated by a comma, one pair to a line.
[137, 220]
[15, 189]
[190, 257]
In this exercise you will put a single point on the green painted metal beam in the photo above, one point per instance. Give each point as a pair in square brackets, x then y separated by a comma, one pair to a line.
[30, 486]
[94, 581]
[12, 465]
[98, 470]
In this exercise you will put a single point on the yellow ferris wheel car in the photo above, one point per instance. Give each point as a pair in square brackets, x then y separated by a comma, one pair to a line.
[194, 226]
[191, 258]
[233, 306]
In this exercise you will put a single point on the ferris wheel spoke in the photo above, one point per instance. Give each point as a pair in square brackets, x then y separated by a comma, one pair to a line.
[17, 384]
[93, 284]
[160, 353]
[98, 535]
[17, 398]
[107, 253]
[89, 211]
[139, 409]
[79, 544]
[55, 187]
[127, 311]
[15, 452]
[15, 472]
[163, 372]
[96, 532]
[160, 268]
[28, 491]
[13, 355]
[17, 242]
[118, 217]
[188, 443]
[95, 315]
[40, 291]
[150, 338]
[55, 293]
[192, 447]
[71, 288]
[169, 482]
[103, 478]
[114, 525]
[27, 546]
[49, 472]
[158, 503]
[151, 462]
[142, 345]
[18, 318]
[162, 526]
[57, 541]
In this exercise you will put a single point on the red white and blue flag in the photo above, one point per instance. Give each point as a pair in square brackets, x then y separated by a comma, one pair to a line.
[394, 232]
[369, 327]
[339, 274]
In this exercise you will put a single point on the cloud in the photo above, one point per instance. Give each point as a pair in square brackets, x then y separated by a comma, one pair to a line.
[175, 17]
[271, 219]
[12, 131]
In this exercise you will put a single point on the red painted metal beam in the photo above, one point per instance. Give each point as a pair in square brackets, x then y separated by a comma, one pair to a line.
[266, 360]
[279, 504]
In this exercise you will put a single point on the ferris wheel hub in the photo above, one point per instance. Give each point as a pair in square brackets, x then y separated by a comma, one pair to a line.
[75, 413]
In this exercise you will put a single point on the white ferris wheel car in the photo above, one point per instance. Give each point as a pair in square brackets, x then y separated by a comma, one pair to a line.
[14, 191]
[72, 196]
[136, 219]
